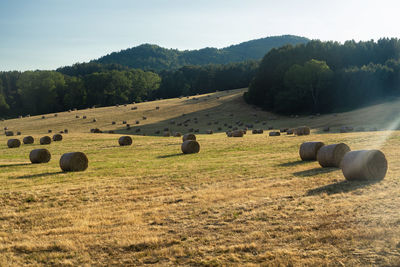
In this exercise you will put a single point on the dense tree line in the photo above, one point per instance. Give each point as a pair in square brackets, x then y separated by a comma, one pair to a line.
[156, 58]
[192, 80]
[39, 92]
[326, 76]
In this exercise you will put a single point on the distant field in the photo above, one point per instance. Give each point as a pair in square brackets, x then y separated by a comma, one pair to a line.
[240, 201]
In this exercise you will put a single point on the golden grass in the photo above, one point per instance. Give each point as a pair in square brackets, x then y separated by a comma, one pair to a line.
[240, 201]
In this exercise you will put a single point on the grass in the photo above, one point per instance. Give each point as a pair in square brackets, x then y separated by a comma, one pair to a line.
[240, 201]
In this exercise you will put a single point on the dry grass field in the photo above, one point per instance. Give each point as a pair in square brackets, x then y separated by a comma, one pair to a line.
[240, 201]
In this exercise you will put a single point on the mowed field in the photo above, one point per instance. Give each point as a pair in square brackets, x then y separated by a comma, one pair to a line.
[240, 201]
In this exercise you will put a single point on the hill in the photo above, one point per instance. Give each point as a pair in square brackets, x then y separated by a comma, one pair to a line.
[240, 201]
[153, 57]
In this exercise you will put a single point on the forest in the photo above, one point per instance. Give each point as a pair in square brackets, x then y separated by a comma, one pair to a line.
[322, 77]
[316, 77]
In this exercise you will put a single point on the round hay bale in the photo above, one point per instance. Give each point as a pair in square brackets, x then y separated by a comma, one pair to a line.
[97, 130]
[45, 140]
[283, 130]
[40, 155]
[210, 131]
[18, 133]
[123, 122]
[43, 117]
[5, 128]
[74, 161]
[188, 136]
[84, 117]
[326, 129]
[94, 120]
[77, 116]
[229, 133]
[196, 130]
[137, 122]
[309, 150]
[302, 130]
[28, 140]
[190, 147]
[254, 131]
[157, 107]
[237, 133]
[49, 131]
[157, 132]
[57, 137]
[274, 133]
[55, 115]
[289, 132]
[364, 165]
[167, 134]
[125, 141]
[144, 118]
[65, 130]
[332, 155]
[113, 122]
[9, 133]
[177, 134]
[13, 143]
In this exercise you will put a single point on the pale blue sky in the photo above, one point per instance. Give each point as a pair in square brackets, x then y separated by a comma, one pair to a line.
[46, 34]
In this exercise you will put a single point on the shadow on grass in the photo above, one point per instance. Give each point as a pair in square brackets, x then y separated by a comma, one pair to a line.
[340, 187]
[314, 171]
[293, 163]
[37, 175]
[170, 156]
[14, 165]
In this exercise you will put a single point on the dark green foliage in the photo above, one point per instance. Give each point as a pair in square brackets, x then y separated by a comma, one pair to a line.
[323, 76]
[153, 57]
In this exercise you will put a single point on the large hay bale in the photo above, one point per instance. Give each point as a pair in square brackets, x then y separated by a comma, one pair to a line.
[167, 134]
[309, 150]
[125, 141]
[210, 132]
[9, 133]
[302, 130]
[274, 134]
[40, 155]
[188, 136]
[57, 137]
[28, 140]
[332, 155]
[13, 143]
[74, 161]
[190, 147]
[237, 133]
[177, 134]
[45, 140]
[364, 165]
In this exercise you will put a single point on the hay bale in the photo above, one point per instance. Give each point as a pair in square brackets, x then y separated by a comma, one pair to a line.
[125, 141]
[188, 136]
[40, 155]
[209, 131]
[177, 134]
[9, 133]
[55, 115]
[237, 133]
[228, 133]
[157, 107]
[45, 140]
[326, 129]
[110, 131]
[196, 130]
[13, 143]
[49, 131]
[332, 155]
[190, 147]
[137, 122]
[74, 161]
[94, 120]
[167, 134]
[144, 118]
[254, 131]
[364, 165]
[302, 130]
[157, 132]
[260, 131]
[57, 137]
[274, 133]
[290, 131]
[65, 130]
[5, 128]
[28, 140]
[309, 150]
[283, 130]
[113, 123]
[84, 117]
[43, 117]
[97, 130]
[77, 116]
[123, 122]
[18, 133]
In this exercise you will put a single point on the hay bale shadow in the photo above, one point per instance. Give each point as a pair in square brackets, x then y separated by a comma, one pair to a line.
[313, 172]
[14, 165]
[339, 187]
[170, 156]
[293, 163]
[37, 175]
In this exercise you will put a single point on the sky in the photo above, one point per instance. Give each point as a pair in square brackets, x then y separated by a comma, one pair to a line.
[47, 34]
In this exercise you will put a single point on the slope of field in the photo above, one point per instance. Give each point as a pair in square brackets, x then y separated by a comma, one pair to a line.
[240, 201]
